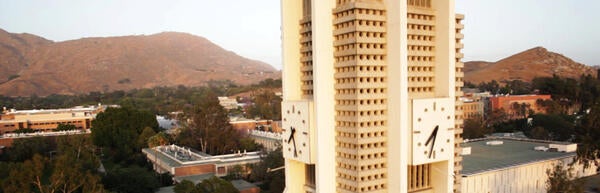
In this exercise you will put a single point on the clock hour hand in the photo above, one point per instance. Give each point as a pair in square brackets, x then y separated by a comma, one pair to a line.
[432, 139]
[292, 132]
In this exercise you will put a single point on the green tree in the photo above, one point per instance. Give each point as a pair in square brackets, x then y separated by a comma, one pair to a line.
[132, 179]
[474, 128]
[159, 139]
[559, 127]
[216, 185]
[118, 129]
[72, 169]
[142, 140]
[65, 127]
[210, 130]
[273, 181]
[539, 133]
[185, 186]
[24, 148]
[266, 105]
[248, 144]
[562, 180]
[587, 134]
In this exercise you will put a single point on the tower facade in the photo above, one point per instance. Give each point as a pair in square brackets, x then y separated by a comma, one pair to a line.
[370, 91]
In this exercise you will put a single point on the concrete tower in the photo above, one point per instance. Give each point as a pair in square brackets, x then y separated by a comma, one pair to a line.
[370, 91]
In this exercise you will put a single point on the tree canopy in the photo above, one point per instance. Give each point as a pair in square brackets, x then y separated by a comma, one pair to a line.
[118, 129]
[209, 130]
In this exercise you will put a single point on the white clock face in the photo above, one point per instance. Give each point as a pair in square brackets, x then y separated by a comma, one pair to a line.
[297, 135]
[432, 130]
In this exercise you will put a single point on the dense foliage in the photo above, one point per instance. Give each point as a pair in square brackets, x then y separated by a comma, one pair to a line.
[119, 131]
[69, 166]
[211, 185]
[209, 130]
[158, 100]
[273, 181]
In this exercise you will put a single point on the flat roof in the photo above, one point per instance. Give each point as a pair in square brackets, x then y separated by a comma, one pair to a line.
[512, 152]
[176, 156]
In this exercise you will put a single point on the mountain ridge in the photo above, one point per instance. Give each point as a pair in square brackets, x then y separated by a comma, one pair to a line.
[42, 67]
[525, 66]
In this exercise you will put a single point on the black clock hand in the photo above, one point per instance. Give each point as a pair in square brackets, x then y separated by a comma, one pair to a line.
[292, 135]
[295, 152]
[432, 139]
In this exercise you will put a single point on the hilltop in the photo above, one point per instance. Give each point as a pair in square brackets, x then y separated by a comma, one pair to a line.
[526, 65]
[34, 65]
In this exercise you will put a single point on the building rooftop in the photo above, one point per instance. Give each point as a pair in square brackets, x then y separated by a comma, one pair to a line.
[512, 152]
[176, 156]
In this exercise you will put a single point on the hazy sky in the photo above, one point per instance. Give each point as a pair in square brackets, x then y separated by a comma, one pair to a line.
[493, 28]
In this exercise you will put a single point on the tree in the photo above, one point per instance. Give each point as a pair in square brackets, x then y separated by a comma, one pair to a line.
[474, 128]
[210, 130]
[496, 116]
[118, 129]
[159, 139]
[216, 185]
[24, 148]
[65, 127]
[561, 180]
[132, 179]
[558, 127]
[185, 186]
[587, 134]
[142, 140]
[539, 133]
[266, 105]
[273, 181]
[73, 169]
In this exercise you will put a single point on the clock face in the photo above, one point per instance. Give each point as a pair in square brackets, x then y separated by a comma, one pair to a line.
[297, 136]
[432, 130]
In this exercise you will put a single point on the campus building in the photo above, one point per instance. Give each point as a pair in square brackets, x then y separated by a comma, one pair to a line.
[188, 164]
[515, 165]
[512, 104]
[48, 119]
[371, 96]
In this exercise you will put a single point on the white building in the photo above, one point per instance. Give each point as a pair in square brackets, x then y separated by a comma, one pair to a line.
[228, 103]
[511, 165]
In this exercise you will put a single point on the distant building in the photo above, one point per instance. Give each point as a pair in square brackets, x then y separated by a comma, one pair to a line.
[474, 105]
[228, 103]
[188, 164]
[49, 119]
[244, 125]
[269, 140]
[508, 102]
[514, 165]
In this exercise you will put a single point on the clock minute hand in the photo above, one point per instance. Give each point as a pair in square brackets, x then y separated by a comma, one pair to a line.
[292, 135]
[295, 152]
[432, 139]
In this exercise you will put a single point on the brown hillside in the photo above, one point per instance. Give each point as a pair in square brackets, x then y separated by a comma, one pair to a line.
[123, 63]
[15, 50]
[535, 62]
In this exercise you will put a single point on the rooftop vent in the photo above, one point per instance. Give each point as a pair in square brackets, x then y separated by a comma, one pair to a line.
[495, 142]
[541, 148]
[567, 148]
[466, 151]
